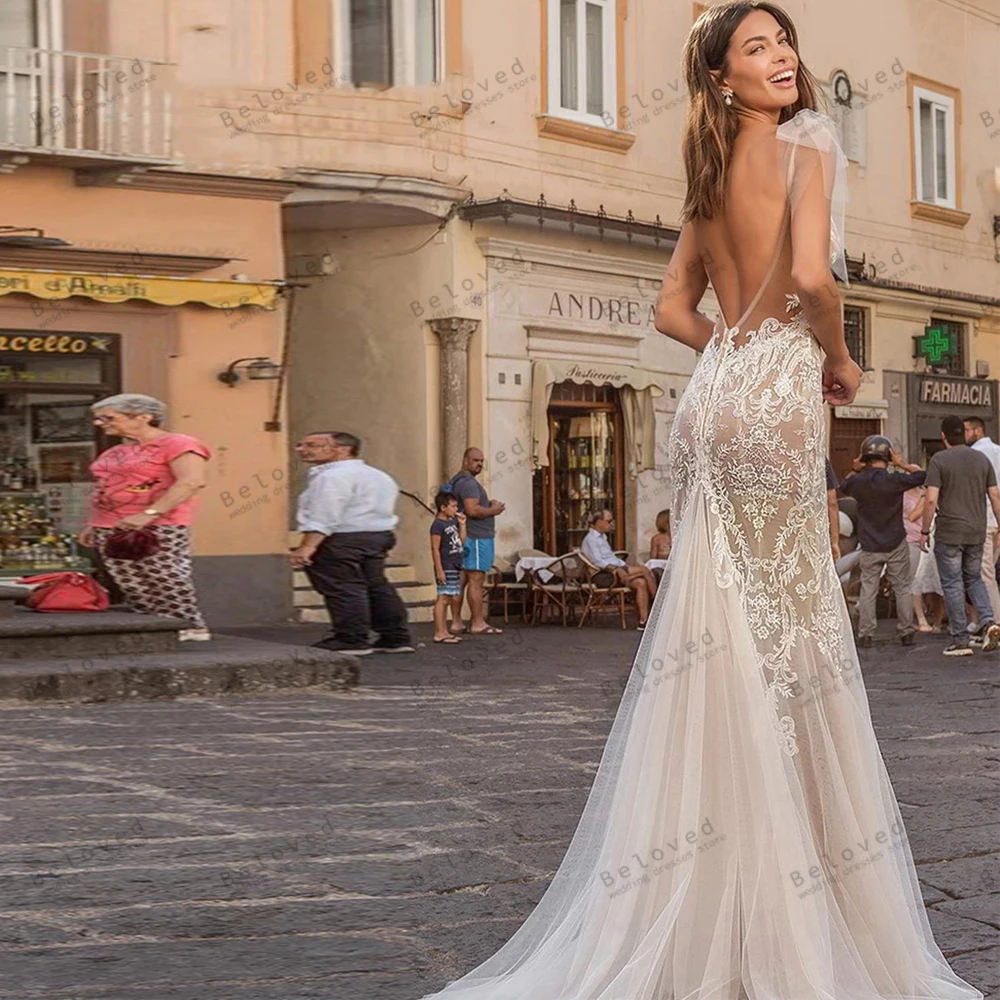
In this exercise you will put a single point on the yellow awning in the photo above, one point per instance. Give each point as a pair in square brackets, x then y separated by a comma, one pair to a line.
[122, 287]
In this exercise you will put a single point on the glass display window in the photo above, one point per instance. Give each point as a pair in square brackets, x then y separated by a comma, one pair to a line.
[585, 469]
[47, 443]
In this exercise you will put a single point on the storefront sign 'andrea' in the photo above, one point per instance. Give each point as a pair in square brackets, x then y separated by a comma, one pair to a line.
[624, 311]
[962, 393]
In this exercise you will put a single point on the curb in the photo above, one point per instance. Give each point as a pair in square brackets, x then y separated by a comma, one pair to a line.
[231, 665]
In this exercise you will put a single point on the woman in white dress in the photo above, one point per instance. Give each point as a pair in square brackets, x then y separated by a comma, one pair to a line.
[926, 581]
[742, 840]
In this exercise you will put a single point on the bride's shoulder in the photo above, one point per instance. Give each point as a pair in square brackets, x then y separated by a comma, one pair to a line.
[811, 129]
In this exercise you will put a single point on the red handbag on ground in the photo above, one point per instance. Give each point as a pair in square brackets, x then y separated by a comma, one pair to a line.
[65, 592]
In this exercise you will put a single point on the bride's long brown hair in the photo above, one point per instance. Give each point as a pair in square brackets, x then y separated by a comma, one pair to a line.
[711, 126]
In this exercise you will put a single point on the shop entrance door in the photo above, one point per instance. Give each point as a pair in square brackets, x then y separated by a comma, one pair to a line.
[846, 436]
[585, 470]
[47, 442]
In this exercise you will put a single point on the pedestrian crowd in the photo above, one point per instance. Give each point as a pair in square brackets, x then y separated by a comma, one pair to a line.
[934, 533]
[931, 532]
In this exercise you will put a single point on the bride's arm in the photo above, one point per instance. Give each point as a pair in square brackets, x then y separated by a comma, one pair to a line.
[684, 285]
[811, 274]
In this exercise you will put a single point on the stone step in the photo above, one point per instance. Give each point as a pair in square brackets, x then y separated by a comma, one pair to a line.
[225, 665]
[412, 592]
[33, 635]
[400, 573]
[421, 611]
[394, 573]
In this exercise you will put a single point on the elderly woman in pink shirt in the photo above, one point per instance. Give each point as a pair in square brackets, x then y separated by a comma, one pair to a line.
[149, 481]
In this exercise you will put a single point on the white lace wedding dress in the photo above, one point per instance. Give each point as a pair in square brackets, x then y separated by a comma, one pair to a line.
[742, 839]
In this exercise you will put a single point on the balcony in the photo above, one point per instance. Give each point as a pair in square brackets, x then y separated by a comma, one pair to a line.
[82, 108]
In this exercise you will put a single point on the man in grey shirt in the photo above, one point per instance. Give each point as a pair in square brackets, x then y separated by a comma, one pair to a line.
[958, 480]
[478, 555]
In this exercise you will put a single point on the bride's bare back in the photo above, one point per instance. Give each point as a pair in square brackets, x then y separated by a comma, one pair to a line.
[739, 246]
[769, 250]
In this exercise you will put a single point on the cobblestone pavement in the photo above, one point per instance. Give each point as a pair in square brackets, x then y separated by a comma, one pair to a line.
[374, 844]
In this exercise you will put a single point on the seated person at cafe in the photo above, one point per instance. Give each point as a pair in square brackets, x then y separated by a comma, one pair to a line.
[660, 543]
[596, 549]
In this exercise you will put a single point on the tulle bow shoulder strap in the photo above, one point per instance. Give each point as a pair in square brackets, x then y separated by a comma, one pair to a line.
[813, 131]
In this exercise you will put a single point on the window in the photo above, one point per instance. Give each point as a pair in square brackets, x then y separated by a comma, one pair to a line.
[581, 60]
[25, 26]
[856, 334]
[389, 42]
[954, 362]
[934, 147]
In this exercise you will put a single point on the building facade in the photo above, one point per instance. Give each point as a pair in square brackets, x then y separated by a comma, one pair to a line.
[497, 274]
[122, 270]
[475, 205]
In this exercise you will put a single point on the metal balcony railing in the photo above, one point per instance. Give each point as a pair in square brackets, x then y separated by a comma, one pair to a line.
[85, 104]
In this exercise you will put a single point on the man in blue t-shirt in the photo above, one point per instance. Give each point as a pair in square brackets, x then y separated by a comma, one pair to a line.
[881, 534]
[478, 555]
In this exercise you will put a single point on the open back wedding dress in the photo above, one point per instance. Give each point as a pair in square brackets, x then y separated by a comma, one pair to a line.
[742, 840]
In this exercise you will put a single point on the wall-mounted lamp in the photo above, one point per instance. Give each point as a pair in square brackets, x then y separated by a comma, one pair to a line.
[29, 236]
[263, 369]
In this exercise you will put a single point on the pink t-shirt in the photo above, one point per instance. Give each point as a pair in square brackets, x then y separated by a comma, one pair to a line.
[132, 476]
[910, 500]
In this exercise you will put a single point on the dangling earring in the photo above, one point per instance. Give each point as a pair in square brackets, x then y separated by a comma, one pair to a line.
[727, 96]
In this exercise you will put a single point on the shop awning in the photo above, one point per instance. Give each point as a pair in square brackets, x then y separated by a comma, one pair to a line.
[638, 389]
[164, 291]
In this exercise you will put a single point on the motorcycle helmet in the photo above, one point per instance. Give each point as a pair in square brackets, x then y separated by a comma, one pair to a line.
[876, 446]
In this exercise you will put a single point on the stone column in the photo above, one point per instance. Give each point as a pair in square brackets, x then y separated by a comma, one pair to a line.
[454, 333]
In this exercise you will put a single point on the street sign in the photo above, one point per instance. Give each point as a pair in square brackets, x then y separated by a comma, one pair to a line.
[934, 346]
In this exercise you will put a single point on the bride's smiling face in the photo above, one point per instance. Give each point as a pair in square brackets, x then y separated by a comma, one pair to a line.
[762, 65]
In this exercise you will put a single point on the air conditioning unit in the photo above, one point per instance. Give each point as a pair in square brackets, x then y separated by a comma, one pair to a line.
[982, 369]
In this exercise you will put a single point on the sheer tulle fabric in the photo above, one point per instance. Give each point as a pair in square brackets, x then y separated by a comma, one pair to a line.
[814, 133]
[742, 840]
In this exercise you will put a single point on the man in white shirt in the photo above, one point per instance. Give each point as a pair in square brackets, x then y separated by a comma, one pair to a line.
[347, 514]
[597, 550]
[977, 439]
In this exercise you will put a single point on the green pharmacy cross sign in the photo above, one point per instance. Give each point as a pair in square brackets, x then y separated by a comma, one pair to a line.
[934, 345]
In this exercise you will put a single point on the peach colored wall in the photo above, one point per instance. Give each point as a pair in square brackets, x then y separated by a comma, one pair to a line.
[176, 352]
[125, 219]
[232, 56]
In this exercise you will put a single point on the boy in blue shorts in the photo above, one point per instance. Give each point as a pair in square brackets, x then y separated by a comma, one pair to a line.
[447, 545]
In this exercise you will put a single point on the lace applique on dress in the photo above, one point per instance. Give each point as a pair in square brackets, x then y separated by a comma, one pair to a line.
[751, 439]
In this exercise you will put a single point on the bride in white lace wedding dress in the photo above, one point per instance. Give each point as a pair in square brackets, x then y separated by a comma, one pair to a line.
[742, 840]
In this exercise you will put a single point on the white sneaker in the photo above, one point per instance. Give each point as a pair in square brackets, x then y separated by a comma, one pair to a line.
[194, 635]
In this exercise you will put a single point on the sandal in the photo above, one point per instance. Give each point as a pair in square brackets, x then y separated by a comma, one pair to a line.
[489, 630]
[450, 640]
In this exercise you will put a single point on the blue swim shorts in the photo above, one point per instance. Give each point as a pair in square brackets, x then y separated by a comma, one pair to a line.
[477, 555]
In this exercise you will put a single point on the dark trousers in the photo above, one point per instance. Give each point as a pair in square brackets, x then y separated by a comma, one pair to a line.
[348, 569]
